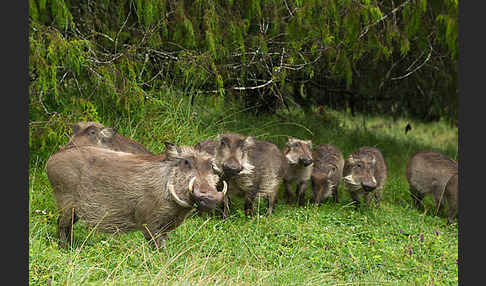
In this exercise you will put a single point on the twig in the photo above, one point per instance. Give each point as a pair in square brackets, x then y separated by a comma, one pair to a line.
[392, 12]
[288, 9]
[165, 54]
[123, 26]
[153, 78]
[77, 85]
[43, 106]
[144, 64]
[414, 70]
[253, 87]
[62, 79]
[95, 60]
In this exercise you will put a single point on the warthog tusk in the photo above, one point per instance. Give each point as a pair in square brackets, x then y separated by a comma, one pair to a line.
[180, 202]
[349, 179]
[191, 184]
[225, 188]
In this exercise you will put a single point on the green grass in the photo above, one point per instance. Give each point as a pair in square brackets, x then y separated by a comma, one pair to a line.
[333, 244]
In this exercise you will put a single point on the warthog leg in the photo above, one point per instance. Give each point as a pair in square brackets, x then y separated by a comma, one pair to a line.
[155, 238]
[67, 218]
[288, 194]
[272, 199]
[300, 193]
[249, 202]
[226, 206]
[335, 193]
[377, 194]
[355, 197]
[416, 196]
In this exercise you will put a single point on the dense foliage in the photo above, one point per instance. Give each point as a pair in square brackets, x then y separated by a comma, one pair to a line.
[90, 60]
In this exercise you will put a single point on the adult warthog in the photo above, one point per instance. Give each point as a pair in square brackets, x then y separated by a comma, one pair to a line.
[120, 192]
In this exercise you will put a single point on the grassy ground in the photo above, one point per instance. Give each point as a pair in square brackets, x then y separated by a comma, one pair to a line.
[333, 244]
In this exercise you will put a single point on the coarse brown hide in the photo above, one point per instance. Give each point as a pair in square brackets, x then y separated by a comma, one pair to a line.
[326, 173]
[433, 173]
[120, 192]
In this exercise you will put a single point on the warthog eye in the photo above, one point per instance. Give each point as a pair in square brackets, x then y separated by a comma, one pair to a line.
[358, 165]
[187, 163]
[91, 131]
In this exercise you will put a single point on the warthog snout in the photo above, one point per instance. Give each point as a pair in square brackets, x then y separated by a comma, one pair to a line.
[306, 161]
[206, 196]
[368, 186]
[231, 169]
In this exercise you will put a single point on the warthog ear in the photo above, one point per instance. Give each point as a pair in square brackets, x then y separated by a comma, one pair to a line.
[249, 141]
[309, 143]
[107, 133]
[172, 149]
[289, 142]
[350, 160]
[219, 138]
[76, 127]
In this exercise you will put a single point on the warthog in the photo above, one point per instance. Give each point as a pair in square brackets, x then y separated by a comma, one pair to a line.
[299, 159]
[120, 192]
[433, 173]
[326, 173]
[96, 134]
[364, 173]
[254, 167]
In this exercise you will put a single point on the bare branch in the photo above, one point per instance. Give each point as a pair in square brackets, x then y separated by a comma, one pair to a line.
[288, 9]
[416, 69]
[121, 28]
[253, 87]
[62, 79]
[392, 12]
[110, 61]
[165, 54]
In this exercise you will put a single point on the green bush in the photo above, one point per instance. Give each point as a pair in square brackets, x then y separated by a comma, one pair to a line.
[108, 58]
